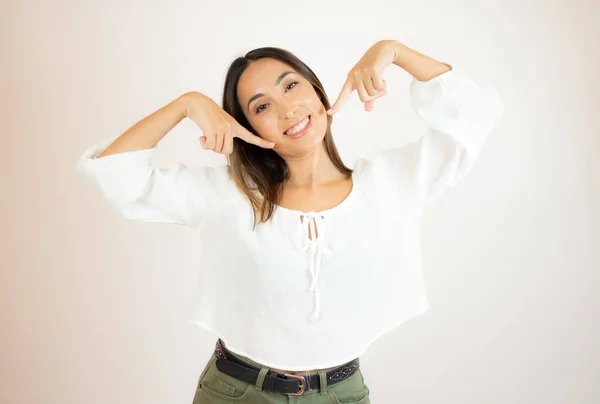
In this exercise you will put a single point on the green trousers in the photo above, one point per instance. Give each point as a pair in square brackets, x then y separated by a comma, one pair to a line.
[215, 387]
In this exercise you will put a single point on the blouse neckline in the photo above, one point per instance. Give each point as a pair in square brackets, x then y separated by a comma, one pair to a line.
[340, 205]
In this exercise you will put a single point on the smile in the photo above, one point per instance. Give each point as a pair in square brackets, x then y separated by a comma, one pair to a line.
[299, 129]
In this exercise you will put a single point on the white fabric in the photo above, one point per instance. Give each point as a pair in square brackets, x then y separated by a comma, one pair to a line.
[290, 302]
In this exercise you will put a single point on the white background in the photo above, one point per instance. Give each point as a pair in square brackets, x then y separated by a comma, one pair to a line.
[94, 308]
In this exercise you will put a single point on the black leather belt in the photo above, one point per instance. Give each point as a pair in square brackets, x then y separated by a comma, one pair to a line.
[284, 383]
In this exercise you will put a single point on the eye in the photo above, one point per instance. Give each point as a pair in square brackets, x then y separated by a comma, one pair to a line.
[292, 85]
[293, 82]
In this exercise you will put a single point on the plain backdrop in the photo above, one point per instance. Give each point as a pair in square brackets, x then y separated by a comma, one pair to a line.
[94, 308]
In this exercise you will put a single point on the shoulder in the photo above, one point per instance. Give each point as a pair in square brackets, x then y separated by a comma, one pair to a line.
[369, 170]
[205, 181]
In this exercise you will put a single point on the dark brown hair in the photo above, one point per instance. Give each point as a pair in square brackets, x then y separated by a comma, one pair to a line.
[258, 172]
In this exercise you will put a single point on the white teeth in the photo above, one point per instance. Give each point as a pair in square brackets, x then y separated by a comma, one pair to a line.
[298, 128]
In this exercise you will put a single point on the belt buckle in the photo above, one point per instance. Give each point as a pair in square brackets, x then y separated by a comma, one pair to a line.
[302, 384]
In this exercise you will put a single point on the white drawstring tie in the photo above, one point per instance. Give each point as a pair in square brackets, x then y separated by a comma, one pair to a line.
[312, 224]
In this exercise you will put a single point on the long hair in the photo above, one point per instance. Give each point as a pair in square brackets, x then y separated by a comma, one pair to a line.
[258, 172]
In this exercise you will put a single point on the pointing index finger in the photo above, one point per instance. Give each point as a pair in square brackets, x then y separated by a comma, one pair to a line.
[249, 137]
[342, 98]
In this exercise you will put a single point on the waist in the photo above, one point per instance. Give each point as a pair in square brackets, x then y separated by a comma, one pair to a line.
[257, 364]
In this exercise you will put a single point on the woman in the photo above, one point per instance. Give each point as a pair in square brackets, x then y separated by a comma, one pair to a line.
[306, 262]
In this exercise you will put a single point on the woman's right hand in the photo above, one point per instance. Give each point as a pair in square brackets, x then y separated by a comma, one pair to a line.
[219, 128]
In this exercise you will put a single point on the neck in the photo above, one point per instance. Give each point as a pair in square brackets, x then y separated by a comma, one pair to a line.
[313, 170]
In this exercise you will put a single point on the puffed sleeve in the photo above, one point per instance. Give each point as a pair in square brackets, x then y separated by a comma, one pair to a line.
[143, 192]
[459, 114]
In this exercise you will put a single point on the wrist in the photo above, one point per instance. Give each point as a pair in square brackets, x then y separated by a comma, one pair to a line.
[187, 99]
[398, 50]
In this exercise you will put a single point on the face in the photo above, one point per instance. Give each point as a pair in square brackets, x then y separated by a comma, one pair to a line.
[274, 98]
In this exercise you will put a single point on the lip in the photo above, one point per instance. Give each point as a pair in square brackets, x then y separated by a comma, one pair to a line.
[297, 122]
[306, 129]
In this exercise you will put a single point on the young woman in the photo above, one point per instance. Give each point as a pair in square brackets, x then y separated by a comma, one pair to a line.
[306, 262]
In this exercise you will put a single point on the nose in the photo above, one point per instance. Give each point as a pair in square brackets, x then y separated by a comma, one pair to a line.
[289, 108]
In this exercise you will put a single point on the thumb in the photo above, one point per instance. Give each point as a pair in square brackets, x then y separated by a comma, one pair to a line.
[369, 104]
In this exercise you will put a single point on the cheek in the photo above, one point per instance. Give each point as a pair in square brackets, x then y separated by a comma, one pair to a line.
[321, 108]
[267, 127]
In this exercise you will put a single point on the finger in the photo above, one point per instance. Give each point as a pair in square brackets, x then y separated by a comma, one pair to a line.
[371, 90]
[248, 137]
[203, 142]
[362, 91]
[210, 142]
[219, 142]
[378, 82]
[342, 98]
[371, 103]
[228, 145]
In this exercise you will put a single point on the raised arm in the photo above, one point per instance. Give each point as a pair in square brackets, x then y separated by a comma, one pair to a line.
[146, 133]
[209, 117]
[459, 114]
[122, 169]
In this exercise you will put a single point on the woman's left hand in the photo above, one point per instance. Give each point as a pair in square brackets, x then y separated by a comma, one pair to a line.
[366, 76]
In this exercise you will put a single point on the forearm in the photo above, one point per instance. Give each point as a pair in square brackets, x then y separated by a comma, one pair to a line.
[421, 67]
[146, 133]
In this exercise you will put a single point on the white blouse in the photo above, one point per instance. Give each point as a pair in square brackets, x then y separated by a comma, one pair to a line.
[280, 298]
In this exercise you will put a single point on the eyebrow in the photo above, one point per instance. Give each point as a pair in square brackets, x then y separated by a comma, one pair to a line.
[281, 77]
